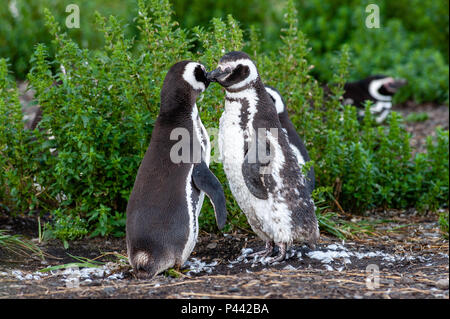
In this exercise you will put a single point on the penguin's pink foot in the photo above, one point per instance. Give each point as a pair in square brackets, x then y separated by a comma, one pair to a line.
[281, 255]
[265, 252]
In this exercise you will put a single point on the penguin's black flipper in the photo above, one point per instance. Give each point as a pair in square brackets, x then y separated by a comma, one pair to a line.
[205, 181]
[253, 180]
[256, 167]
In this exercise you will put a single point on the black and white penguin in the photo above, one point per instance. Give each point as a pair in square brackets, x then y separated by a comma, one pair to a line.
[377, 88]
[269, 187]
[295, 142]
[163, 208]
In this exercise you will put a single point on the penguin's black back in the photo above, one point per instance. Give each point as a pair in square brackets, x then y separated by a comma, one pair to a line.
[295, 139]
[157, 207]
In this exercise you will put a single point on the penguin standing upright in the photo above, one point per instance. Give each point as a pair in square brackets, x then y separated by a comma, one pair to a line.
[295, 142]
[379, 89]
[163, 209]
[262, 170]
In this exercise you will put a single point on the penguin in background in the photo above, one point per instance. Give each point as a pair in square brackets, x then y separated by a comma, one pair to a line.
[379, 89]
[295, 142]
[270, 188]
[167, 196]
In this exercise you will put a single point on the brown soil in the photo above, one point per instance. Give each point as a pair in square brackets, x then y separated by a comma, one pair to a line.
[420, 268]
[438, 115]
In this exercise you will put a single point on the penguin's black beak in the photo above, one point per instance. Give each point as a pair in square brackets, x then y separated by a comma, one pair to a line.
[395, 84]
[218, 74]
[206, 81]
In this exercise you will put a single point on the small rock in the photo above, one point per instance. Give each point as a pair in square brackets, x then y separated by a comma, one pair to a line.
[109, 290]
[86, 282]
[406, 280]
[442, 284]
[211, 245]
[385, 296]
[289, 267]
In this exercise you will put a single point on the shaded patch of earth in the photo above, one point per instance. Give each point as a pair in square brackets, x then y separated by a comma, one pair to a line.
[436, 115]
[406, 258]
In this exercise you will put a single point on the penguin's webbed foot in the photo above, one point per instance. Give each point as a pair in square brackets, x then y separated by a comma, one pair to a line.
[265, 252]
[281, 255]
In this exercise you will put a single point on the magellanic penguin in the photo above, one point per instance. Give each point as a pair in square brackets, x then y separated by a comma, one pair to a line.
[163, 208]
[263, 173]
[295, 142]
[376, 88]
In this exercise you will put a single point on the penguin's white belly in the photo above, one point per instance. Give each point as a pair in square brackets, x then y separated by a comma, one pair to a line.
[194, 207]
[270, 218]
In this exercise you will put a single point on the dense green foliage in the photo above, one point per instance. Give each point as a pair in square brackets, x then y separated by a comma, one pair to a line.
[412, 41]
[100, 118]
[22, 26]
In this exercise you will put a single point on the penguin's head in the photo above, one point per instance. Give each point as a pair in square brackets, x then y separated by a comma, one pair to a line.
[276, 97]
[235, 71]
[195, 75]
[183, 83]
[382, 88]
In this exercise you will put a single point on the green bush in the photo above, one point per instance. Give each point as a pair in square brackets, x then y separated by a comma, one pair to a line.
[443, 223]
[19, 151]
[399, 48]
[102, 112]
[412, 41]
[22, 26]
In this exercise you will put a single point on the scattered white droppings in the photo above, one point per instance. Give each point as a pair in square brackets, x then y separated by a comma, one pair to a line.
[115, 276]
[28, 277]
[17, 274]
[246, 251]
[327, 256]
[196, 266]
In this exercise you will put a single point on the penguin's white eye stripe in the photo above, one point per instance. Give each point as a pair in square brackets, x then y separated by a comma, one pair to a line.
[375, 85]
[253, 74]
[189, 76]
[224, 67]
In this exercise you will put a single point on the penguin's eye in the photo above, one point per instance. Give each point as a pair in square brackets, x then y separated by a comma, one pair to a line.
[200, 73]
[239, 73]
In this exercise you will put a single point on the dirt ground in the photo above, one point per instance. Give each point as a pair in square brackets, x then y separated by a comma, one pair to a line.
[406, 257]
[438, 115]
